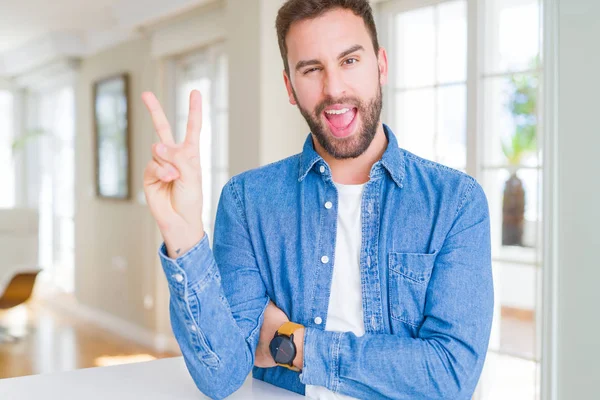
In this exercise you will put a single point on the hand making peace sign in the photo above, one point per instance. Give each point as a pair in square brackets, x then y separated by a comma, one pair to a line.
[173, 179]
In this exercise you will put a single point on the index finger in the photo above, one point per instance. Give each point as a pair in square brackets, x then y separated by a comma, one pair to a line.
[159, 119]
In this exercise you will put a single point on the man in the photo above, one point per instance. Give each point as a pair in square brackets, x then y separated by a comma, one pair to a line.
[354, 269]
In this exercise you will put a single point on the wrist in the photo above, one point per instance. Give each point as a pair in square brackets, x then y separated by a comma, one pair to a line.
[181, 244]
[299, 342]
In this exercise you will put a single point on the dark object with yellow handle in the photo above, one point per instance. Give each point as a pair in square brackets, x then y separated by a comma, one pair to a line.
[282, 346]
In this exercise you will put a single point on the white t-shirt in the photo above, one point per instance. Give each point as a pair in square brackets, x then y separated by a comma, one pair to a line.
[345, 312]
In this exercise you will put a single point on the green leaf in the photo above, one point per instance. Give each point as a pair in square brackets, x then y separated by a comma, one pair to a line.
[522, 105]
[20, 142]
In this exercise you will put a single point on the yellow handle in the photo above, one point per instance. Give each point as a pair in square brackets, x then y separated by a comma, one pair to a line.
[288, 328]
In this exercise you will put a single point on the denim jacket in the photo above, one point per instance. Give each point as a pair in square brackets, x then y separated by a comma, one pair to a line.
[425, 265]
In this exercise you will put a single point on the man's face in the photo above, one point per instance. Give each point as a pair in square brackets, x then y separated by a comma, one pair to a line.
[335, 79]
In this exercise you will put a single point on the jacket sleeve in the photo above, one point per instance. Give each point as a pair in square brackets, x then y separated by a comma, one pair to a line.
[217, 326]
[445, 360]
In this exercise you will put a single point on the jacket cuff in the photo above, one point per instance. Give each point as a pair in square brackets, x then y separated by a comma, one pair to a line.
[193, 269]
[321, 358]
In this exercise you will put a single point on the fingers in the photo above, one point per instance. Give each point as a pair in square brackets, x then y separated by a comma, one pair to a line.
[159, 119]
[162, 155]
[194, 125]
[159, 172]
[176, 157]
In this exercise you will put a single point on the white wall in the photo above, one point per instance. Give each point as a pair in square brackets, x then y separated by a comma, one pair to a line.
[115, 248]
[263, 126]
[283, 127]
[243, 50]
[578, 200]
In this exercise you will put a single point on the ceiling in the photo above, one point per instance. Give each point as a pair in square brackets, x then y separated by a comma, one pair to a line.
[23, 21]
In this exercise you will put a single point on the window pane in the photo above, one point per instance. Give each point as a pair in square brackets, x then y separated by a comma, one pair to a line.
[416, 121]
[451, 141]
[222, 94]
[516, 286]
[505, 377]
[510, 121]
[220, 145]
[7, 178]
[207, 196]
[513, 204]
[207, 72]
[64, 170]
[452, 42]
[415, 48]
[512, 37]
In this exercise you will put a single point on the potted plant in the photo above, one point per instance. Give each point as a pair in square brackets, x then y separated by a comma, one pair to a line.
[522, 105]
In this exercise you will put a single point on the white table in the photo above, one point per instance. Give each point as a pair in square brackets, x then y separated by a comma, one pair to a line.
[152, 380]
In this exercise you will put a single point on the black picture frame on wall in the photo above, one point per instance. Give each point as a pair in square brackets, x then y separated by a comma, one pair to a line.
[112, 137]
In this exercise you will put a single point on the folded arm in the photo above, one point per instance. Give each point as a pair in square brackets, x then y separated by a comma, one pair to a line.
[445, 360]
[218, 328]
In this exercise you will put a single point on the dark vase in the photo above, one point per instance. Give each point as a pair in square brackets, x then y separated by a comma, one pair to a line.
[513, 211]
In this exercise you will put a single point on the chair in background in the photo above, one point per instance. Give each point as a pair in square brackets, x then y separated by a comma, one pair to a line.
[18, 258]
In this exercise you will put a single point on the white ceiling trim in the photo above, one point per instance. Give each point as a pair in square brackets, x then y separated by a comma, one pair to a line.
[40, 52]
[139, 13]
[96, 42]
[198, 29]
[131, 17]
[52, 75]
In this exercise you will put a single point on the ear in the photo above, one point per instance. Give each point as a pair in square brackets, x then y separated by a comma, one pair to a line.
[382, 61]
[288, 86]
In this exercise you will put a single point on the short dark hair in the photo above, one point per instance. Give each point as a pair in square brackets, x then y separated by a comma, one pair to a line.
[298, 10]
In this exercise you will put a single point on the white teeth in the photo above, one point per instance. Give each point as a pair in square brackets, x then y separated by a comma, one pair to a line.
[337, 112]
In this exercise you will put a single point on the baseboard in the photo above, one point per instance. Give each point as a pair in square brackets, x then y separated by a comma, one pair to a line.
[118, 326]
[521, 314]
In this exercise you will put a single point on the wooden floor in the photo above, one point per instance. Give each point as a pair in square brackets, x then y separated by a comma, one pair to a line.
[57, 342]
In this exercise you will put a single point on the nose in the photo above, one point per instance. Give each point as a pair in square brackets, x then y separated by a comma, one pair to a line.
[334, 85]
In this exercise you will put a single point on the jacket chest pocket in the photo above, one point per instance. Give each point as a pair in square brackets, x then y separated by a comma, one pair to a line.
[409, 275]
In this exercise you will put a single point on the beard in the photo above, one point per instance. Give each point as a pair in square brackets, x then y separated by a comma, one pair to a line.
[353, 145]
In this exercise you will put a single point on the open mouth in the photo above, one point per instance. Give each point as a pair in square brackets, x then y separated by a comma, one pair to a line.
[341, 120]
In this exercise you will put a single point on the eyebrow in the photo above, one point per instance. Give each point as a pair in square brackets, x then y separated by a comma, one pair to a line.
[306, 63]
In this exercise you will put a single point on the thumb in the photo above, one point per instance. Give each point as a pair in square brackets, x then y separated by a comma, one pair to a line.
[188, 168]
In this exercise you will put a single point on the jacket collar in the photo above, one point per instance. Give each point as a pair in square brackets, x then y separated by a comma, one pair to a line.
[392, 159]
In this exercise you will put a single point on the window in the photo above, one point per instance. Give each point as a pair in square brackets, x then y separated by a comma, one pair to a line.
[7, 174]
[53, 115]
[206, 71]
[463, 90]
[428, 55]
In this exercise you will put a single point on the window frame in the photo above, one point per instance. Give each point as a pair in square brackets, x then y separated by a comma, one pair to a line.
[211, 54]
[476, 79]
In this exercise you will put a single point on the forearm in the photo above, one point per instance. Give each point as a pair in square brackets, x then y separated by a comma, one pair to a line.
[217, 353]
[377, 366]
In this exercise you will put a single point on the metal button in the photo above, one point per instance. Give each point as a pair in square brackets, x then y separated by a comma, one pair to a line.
[178, 277]
[318, 320]
[328, 205]
[322, 169]
[193, 328]
[324, 259]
